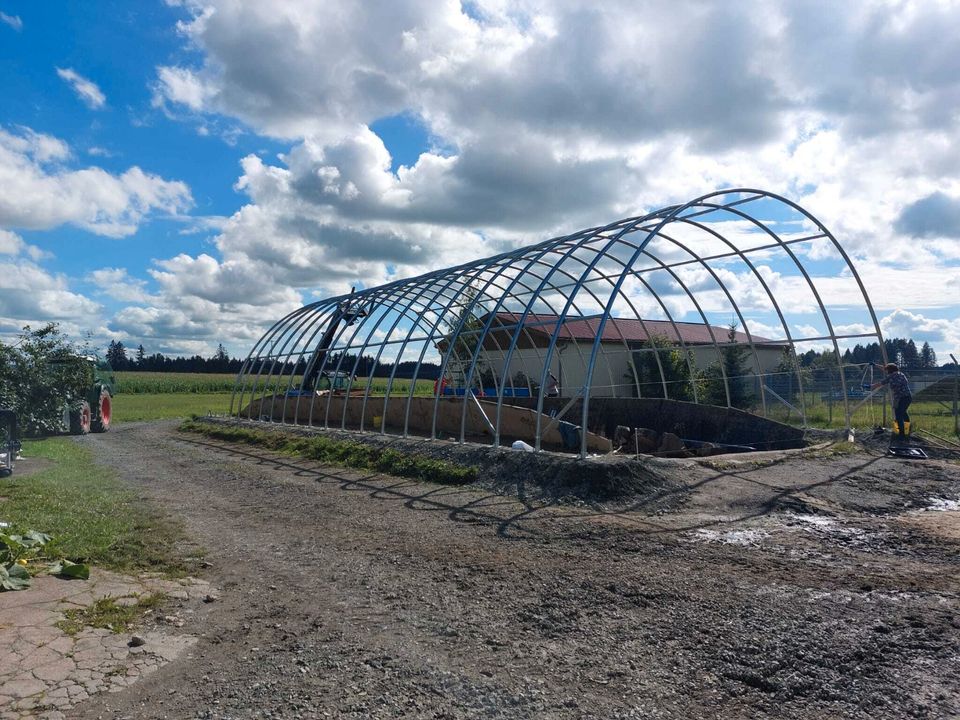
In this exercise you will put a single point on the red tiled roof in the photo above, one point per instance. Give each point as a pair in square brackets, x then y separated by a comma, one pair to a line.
[624, 329]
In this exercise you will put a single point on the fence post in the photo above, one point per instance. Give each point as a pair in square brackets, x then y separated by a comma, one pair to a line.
[956, 395]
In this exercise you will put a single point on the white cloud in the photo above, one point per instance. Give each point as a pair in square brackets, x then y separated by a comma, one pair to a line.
[40, 194]
[29, 294]
[13, 21]
[181, 86]
[86, 90]
[547, 117]
[906, 324]
[118, 284]
[13, 244]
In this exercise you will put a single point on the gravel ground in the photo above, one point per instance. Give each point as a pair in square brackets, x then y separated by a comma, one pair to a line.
[781, 587]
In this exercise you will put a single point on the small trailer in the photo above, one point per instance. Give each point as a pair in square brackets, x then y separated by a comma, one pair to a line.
[9, 444]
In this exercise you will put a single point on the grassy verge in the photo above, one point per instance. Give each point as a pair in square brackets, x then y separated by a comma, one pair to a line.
[91, 516]
[341, 452]
[165, 406]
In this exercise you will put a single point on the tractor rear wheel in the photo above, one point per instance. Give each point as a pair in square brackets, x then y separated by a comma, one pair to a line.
[80, 419]
[102, 423]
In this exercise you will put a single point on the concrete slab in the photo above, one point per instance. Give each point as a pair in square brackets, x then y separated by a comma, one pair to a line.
[44, 671]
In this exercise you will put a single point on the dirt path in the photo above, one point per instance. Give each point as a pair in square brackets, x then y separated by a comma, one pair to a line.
[807, 588]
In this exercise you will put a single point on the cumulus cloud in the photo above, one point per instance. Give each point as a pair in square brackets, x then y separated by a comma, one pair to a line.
[118, 284]
[30, 294]
[40, 193]
[940, 333]
[548, 117]
[13, 244]
[13, 21]
[181, 86]
[87, 90]
[937, 215]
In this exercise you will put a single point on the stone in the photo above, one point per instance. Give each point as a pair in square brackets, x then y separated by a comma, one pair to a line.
[644, 440]
[22, 687]
[136, 641]
[670, 443]
[55, 671]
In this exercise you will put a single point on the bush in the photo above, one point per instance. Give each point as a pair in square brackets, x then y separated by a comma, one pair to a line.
[39, 374]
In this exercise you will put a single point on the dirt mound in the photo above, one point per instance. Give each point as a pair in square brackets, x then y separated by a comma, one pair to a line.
[543, 475]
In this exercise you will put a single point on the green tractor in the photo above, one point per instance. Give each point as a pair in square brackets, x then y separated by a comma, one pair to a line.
[94, 412]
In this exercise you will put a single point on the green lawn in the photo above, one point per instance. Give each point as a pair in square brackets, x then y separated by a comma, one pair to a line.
[164, 406]
[931, 416]
[90, 514]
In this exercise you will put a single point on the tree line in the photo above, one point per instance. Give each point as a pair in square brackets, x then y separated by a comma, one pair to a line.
[220, 362]
[120, 359]
[901, 351]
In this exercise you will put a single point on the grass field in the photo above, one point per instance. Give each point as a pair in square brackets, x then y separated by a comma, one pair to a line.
[165, 406]
[159, 396]
[931, 416]
[91, 516]
[151, 383]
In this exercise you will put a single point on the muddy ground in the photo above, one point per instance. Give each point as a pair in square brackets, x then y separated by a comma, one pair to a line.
[805, 586]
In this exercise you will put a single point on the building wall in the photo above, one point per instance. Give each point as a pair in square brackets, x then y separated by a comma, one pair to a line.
[612, 376]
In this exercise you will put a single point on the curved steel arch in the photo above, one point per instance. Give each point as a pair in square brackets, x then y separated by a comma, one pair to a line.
[655, 286]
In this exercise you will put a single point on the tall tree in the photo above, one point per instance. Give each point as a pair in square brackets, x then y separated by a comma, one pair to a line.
[928, 358]
[117, 355]
[733, 358]
[911, 356]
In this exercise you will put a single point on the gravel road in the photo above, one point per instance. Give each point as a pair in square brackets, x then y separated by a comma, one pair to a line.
[796, 587]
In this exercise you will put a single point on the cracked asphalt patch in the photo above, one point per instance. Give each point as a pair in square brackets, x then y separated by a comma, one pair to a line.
[45, 671]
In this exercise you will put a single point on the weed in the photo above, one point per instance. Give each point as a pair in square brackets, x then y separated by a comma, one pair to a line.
[107, 613]
[346, 453]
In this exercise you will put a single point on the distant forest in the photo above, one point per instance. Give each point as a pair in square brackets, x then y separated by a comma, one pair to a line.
[902, 351]
[120, 358]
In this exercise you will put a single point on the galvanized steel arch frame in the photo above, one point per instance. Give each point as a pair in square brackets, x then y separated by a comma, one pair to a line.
[465, 305]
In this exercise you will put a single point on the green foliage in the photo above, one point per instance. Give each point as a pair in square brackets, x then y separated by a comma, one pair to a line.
[14, 577]
[345, 453]
[133, 382]
[467, 340]
[108, 614]
[18, 552]
[673, 369]
[732, 363]
[41, 373]
[138, 383]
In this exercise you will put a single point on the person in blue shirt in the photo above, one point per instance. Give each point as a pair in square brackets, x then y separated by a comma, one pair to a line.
[900, 389]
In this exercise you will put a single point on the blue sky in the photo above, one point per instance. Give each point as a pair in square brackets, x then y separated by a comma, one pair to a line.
[181, 174]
